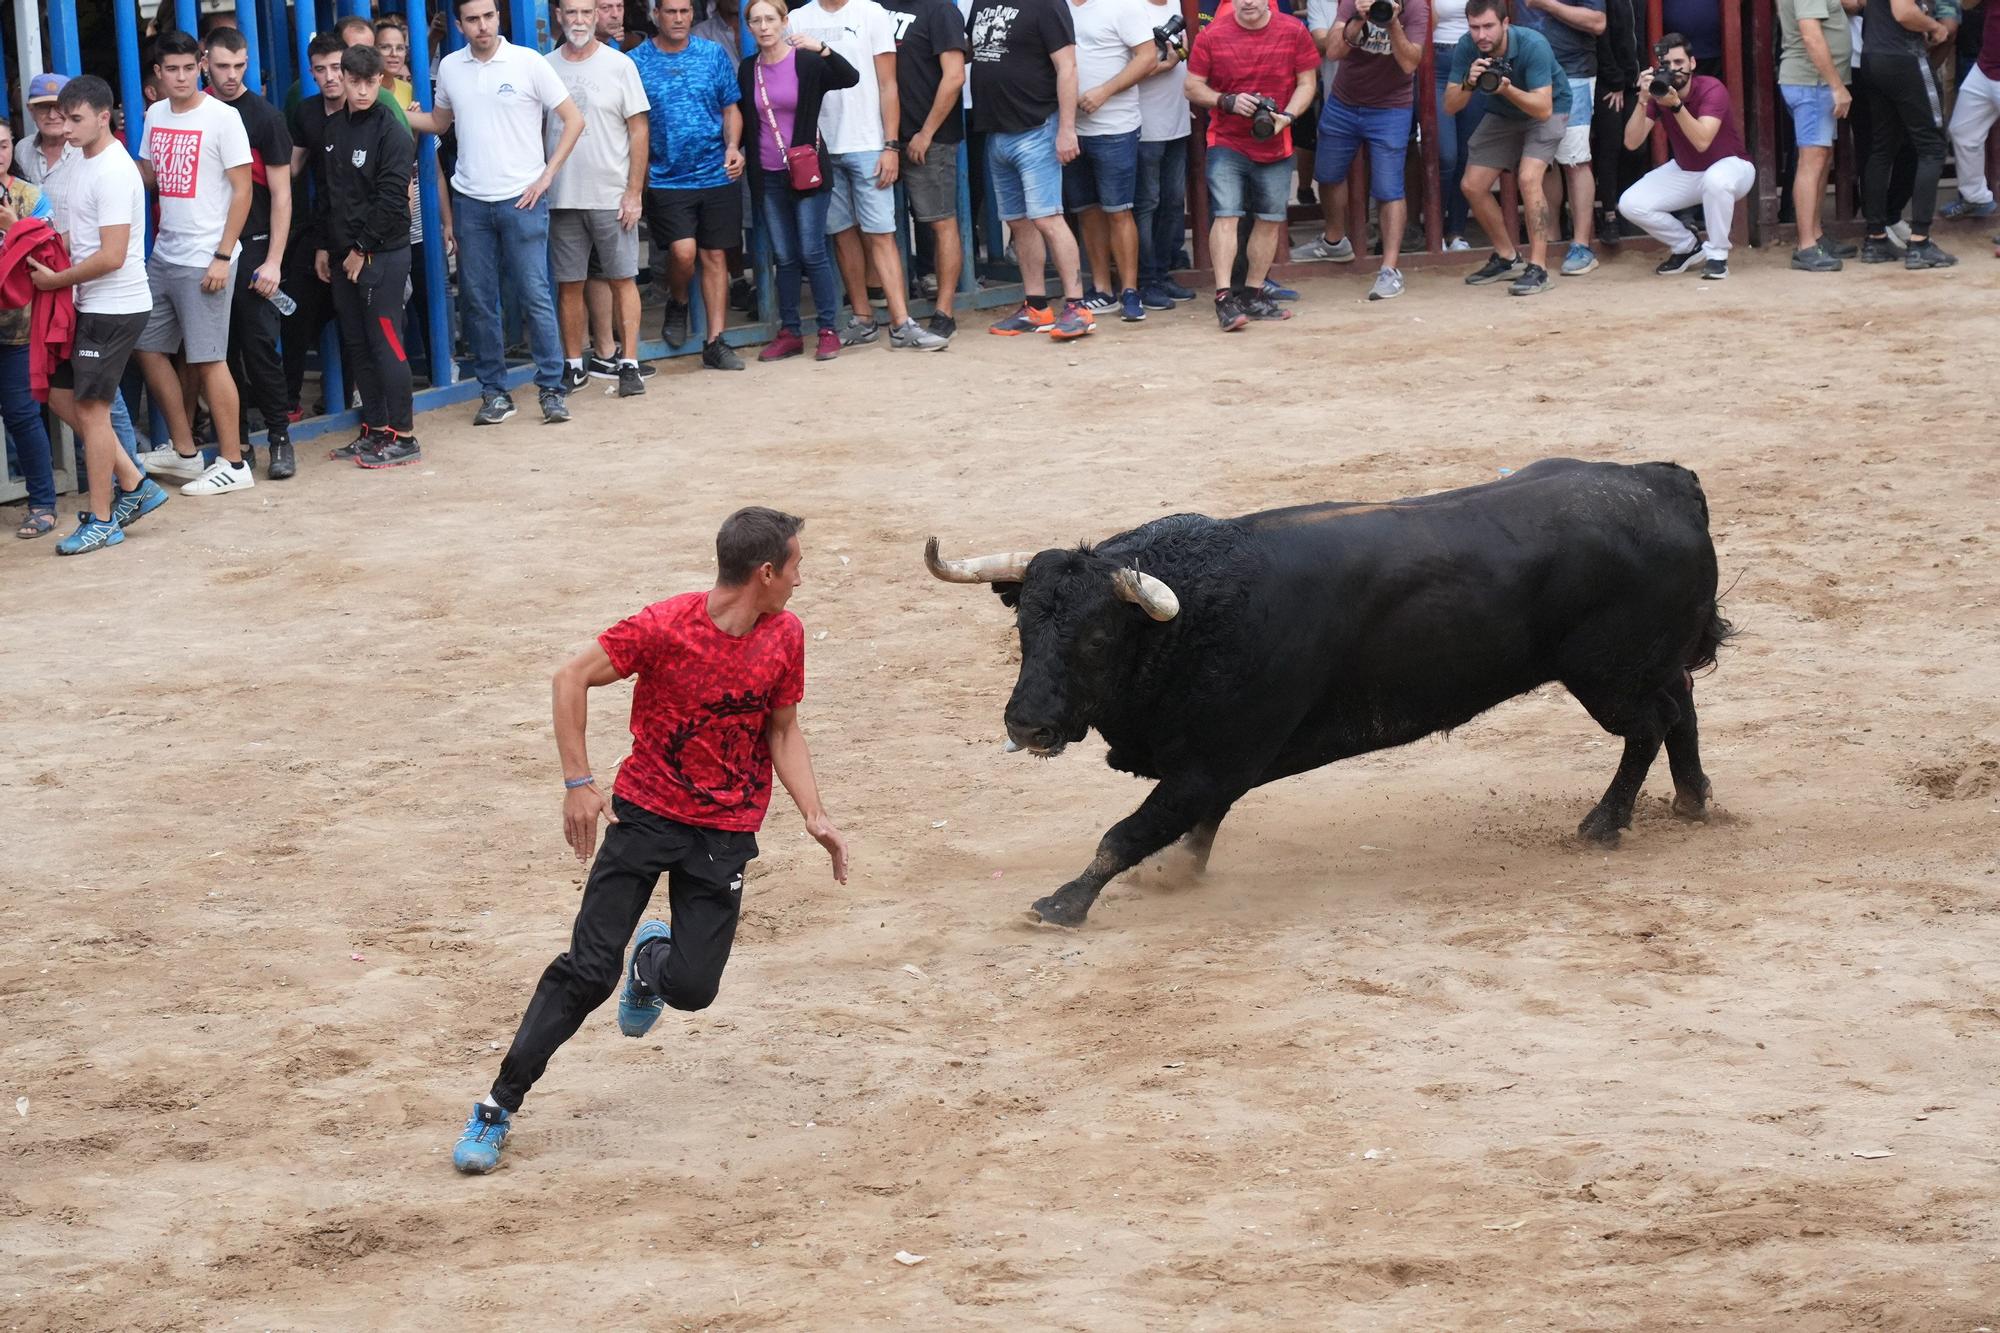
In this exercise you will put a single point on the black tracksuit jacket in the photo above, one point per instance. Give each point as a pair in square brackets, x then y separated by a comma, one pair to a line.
[369, 158]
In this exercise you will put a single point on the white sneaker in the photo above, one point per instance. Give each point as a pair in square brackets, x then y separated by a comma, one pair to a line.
[1457, 244]
[222, 475]
[164, 462]
[1899, 234]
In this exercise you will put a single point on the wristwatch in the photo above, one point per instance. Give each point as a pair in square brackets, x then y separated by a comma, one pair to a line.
[892, 145]
[223, 257]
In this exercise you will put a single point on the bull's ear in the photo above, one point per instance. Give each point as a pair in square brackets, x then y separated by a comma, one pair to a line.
[1009, 594]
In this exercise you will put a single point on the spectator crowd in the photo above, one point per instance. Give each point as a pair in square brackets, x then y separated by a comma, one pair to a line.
[273, 221]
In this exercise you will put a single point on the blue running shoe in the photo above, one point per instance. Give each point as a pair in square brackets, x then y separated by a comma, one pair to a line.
[128, 507]
[478, 1149]
[1130, 308]
[639, 1008]
[91, 533]
[1175, 290]
[1272, 291]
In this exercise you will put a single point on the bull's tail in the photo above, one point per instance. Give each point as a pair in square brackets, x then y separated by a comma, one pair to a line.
[1718, 631]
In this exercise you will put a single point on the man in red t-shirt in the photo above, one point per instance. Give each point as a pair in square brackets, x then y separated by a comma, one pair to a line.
[1708, 167]
[714, 711]
[1250, 68]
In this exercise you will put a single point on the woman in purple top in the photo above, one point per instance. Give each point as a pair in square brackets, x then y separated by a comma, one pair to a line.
[782, 86]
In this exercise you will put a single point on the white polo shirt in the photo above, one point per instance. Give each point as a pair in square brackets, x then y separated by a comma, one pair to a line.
[497, 106]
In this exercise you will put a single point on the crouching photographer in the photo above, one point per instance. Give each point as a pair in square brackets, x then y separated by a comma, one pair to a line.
[1255, 71]
[1527, 101]
[1708, 166]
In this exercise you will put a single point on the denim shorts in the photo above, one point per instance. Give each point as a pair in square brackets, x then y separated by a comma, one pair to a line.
[1812, 113]
[1027, 176]
[856, 200]
[1574, 150]
[1236, 185]
[1104, 173]
[1342, 131]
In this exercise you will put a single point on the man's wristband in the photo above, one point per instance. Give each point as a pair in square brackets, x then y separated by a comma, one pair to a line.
[571, 784]
[892, 145]
[223, 257]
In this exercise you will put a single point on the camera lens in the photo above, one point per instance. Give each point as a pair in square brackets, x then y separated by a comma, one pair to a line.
[1380, 12]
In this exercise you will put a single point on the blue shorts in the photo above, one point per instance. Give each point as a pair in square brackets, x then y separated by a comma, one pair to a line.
[1812, 113]
[1342, 131]
[1027, 176]
[856, 201]
[1236, 185]
[1104, 174]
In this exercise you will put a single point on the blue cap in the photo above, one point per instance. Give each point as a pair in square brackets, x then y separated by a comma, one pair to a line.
[44, 87]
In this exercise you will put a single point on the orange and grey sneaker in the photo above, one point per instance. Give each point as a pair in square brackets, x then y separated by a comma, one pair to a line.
[1074, 322]
[1025, 320]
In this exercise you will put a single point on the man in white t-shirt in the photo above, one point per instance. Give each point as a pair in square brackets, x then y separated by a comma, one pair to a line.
[107, 243]
[599, 195]
[195, 156]
[1114, 51]
[498, 94]
[1159, 199]
[864, 156]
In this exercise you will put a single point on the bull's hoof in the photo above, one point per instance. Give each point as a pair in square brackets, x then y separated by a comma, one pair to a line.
[1601, 827]
[1693, 805]
[1055, 910]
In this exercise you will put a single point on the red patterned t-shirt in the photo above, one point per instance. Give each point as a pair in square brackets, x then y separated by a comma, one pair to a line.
[699, 709]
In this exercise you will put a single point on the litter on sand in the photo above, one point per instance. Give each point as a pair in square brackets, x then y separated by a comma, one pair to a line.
[1872, 1153]
[908, 1260]
[915, 971]
[939, 823]
[1507, 1226]
[21, 1106]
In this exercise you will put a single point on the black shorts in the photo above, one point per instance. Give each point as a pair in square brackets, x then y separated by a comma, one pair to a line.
[713, 217]
[96, 364]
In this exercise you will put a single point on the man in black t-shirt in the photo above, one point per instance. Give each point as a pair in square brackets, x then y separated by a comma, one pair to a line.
[310, 293]
[1024, 98]
[930, 77]
[253, 321]
[1904, 107]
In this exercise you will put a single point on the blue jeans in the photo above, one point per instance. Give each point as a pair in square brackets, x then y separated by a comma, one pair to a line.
[121, 426]
[796, 224]
[1454, 132]
[496, 238]
[26, 430]
[1160, 206]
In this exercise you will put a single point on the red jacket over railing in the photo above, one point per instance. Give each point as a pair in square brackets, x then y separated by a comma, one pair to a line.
[52, 325]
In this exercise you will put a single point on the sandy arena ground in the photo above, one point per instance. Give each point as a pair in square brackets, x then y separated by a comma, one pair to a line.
[283, 860]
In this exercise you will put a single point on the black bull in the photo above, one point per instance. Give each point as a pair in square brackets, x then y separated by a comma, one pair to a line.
[1217, 655]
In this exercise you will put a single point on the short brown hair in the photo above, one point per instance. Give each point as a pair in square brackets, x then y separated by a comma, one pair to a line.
[751, 538]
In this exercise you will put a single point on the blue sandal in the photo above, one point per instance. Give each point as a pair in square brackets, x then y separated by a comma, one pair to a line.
[40, 522]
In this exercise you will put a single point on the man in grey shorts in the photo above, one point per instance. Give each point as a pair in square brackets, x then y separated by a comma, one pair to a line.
[931, 48]
[1523, 128]
[195, 155]
[596, 200]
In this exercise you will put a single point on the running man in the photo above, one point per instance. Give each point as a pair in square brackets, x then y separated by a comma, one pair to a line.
[714, 711]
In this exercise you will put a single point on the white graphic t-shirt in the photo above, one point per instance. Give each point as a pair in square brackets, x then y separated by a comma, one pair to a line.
[607, 90]
[106, 191]
[192, 152]
[851, 120]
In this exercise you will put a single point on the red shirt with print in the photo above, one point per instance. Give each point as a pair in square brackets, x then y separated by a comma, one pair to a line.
[1233, 59]
[699, 709]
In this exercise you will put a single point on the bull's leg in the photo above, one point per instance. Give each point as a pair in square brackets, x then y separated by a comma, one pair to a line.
[1614, 811]
[1642, 718]
[1200, 841]
[1169, 812]
[1691, 785]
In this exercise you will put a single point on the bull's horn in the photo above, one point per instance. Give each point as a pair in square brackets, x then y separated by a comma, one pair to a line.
[1009, 568]
[1147, 593]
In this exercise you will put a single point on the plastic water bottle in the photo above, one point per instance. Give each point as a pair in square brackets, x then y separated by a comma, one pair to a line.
[286, 305]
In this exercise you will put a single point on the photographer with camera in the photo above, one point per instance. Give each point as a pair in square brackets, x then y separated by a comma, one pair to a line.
[1159, 195]
[1254, 70]
[1527, 100]
[1708, 165]
[1371, 102]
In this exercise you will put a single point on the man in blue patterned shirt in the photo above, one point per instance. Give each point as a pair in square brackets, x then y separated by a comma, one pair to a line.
[693, 202]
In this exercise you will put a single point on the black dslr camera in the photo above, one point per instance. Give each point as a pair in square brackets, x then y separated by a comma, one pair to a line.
[1380, 12]
[1264, 119]
[1168, 35]
[1665, 80]
[1489, 78]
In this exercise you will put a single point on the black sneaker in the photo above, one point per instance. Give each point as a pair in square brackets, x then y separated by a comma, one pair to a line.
[1715, 270]
[1259, 306]
[494, 408]
[677, 324]
[944, 326]
[717, 355]
[391, 450]
[1229, 312]
[1925, 254]
[554, 410]
[1496, 269]
[1877, 250]
[1816, 259]
[1839, 249]
[282, 464]
[347, 453]
[630, 382]
[1534, 280]
[1680, 262]
[599, 367]
[574, 377]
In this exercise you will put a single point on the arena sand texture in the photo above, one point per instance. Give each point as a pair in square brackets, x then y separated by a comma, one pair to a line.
[284, 859]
